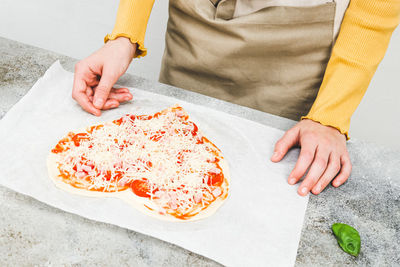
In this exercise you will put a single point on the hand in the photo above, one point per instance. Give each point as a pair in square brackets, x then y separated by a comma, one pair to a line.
[96, 75]
[323, 153]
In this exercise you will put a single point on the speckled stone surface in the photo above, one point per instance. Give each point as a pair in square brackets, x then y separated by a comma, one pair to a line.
[33, 233]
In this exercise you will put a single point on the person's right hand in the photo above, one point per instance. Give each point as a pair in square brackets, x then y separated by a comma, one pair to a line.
[96, 75]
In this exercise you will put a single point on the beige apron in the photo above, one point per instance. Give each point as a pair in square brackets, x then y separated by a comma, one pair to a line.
[272, 60]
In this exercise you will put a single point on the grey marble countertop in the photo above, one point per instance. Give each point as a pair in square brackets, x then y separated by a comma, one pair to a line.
[33, 233]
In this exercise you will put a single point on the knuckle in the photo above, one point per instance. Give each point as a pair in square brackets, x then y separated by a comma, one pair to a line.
[291, 131]
[309, 182]
[347, 163]
[320, 162]
[343, 178]
[296, 173]
[307, 155]
[102, 90]
[336, 167]
[299, 170]
[279, 144]
[344, 175]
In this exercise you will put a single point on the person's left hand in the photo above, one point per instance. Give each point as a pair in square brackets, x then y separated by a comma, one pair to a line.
[323, 153]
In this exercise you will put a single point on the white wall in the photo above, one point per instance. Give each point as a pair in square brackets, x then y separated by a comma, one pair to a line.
[377, 118]
[77, 28]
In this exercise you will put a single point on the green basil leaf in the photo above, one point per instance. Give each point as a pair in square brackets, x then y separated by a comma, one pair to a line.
[348, 238]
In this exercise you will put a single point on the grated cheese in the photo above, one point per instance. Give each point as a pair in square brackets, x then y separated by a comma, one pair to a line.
[166, 151]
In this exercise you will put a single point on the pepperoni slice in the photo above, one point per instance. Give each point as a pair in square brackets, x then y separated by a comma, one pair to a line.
[141, 188]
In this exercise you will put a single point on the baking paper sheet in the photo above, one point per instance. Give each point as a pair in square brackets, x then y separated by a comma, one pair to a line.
[260, 223]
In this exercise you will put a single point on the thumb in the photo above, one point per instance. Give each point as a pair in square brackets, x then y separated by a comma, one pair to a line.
[107, 81]
[289, 139]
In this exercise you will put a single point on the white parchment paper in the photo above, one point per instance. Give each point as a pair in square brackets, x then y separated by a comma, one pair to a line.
[260, 223]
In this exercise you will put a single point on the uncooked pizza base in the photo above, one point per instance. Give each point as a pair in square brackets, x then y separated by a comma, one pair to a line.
[137, 202]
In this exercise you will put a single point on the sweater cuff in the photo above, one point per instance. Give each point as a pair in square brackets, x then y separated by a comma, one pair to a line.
[326, 121]
[141, 51]
[131, 22]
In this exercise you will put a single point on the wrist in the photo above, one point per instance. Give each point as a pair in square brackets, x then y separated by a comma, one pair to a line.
[318, 124]
[126, 44]
[327, 124]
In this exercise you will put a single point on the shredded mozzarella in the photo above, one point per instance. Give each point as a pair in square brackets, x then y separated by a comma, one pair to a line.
[166, 151]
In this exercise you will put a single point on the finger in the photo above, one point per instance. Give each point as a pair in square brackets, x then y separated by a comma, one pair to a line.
[120, 90]
[345, 171]
[83, 70]
[79, 94]
[304, 161]
[289, 139]
[110, 104]
[94, 81]
[89, 91]
[317, 168]
[120, 97]
[107, 80]
[86, 104]
[330, 173]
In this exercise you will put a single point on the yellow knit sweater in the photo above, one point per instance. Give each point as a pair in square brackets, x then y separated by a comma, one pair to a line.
[362, 42]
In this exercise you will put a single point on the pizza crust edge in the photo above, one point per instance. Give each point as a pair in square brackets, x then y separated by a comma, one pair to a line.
[137, 202]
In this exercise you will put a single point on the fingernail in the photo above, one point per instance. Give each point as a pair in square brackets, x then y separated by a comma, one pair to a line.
[98, 103]
[274, 155]
[292, 180]
[304, 190]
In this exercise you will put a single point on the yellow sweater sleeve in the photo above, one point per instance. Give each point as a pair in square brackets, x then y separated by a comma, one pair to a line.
[362, 42]
[132, 18]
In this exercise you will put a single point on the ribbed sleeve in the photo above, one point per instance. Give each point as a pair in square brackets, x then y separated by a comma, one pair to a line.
[132, 18]
[361, 45]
